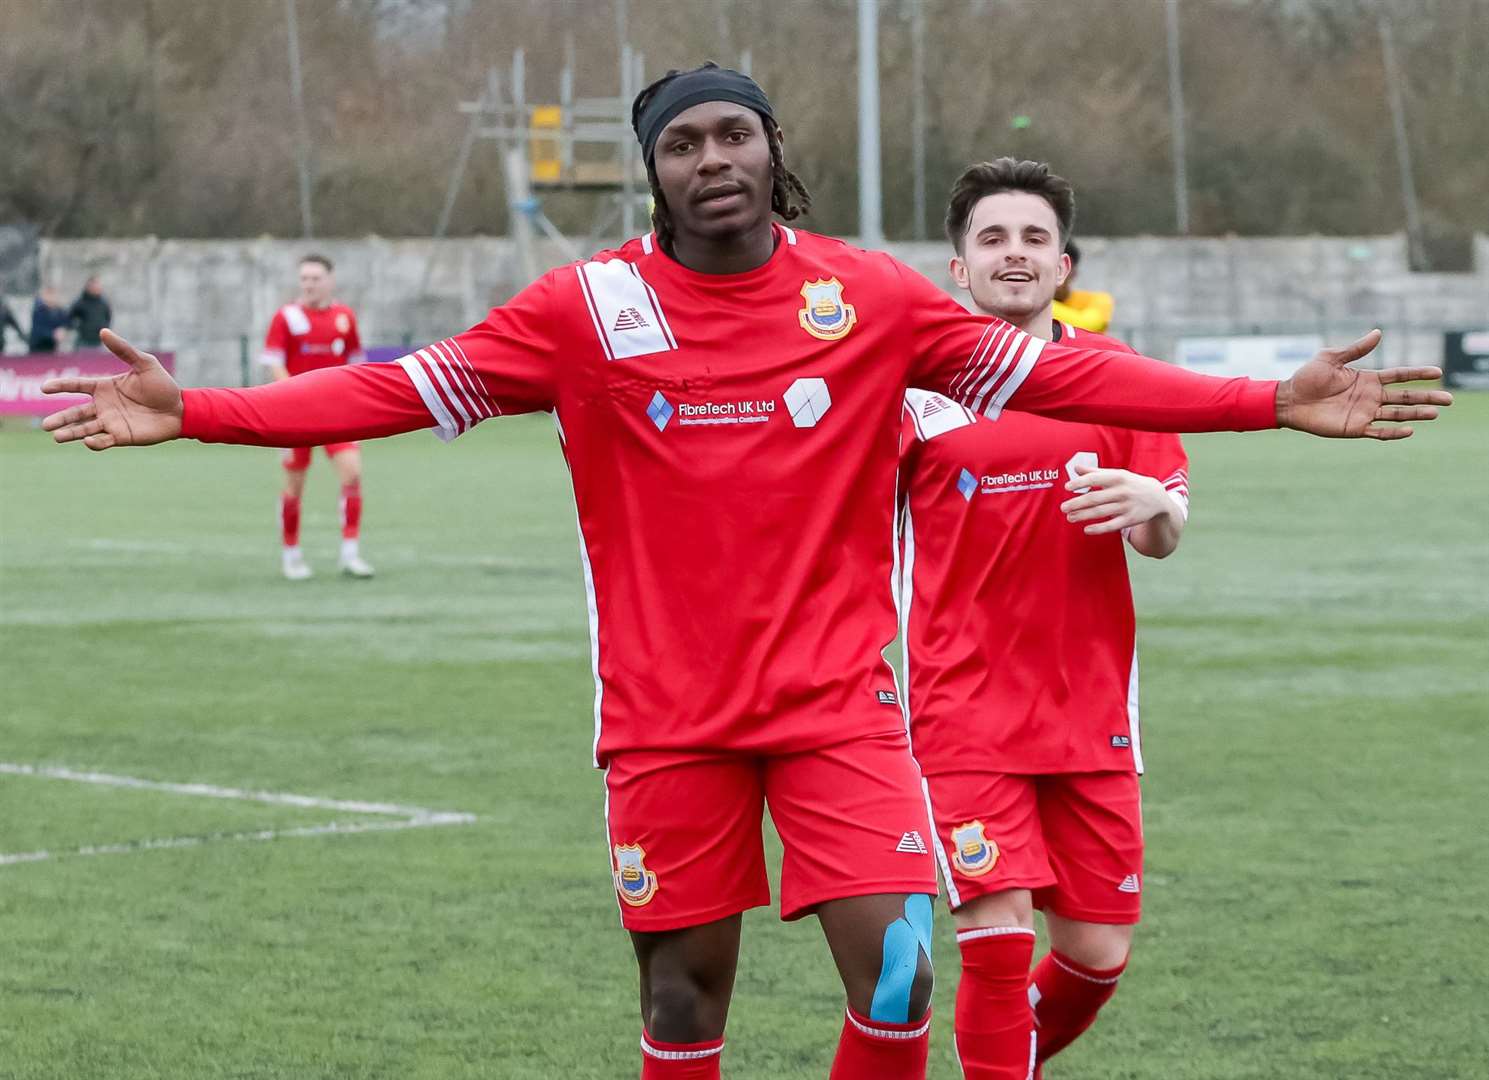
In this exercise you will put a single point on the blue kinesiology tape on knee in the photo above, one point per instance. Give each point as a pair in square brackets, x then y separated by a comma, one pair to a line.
[891, 1003]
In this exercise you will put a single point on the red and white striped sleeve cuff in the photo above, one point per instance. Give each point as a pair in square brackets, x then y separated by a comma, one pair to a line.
[449, 387]
[1000, 362]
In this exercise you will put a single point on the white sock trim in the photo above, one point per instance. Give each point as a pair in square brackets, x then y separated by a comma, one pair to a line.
[1082, 974]
[678, 1055]
[991, 931]
[889, 1033]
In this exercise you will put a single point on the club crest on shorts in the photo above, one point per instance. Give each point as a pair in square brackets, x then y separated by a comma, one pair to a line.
[633, 881]
[972, 852]
[823, 313]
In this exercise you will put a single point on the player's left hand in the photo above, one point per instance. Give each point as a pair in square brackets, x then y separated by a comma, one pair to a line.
[1324, 397]
[1123, 498]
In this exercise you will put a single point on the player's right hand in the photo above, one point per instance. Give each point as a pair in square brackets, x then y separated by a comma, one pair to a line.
[138, 408]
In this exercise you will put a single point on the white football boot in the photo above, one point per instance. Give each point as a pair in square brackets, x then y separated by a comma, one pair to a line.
[294, 565]
[351, 562]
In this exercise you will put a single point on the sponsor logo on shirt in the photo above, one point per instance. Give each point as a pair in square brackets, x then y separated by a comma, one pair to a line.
[807, 400]
[967, 484]
[972, 852]
[660, 411]
[633, 881]
[823, 312]
[1023, 480]
[1086, 458]
[750, 411]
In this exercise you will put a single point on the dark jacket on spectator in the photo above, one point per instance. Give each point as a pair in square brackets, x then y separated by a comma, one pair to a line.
[45, 322]
[91, 314]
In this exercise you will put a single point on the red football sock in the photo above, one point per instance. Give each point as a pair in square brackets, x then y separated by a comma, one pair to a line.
[351, 510]
[874, 1050]
[680, 1061]
[1066, 997]
[289, 519]
[994, 1023]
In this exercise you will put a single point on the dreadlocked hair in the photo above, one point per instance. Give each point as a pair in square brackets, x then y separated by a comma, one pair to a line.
[789, 197]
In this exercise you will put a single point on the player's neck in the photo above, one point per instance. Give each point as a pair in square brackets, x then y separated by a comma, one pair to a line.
[1040, 324]
[315, 307]
[735, 254]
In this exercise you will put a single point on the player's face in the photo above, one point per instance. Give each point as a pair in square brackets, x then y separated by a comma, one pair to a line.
[315, 285]
[1011, 259]
[713, 165]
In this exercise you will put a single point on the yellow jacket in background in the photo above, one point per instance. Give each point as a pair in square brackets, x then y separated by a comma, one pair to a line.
[1087, 310]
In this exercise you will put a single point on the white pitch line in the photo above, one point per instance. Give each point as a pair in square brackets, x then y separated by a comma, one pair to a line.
[407, 817]
[212, 791]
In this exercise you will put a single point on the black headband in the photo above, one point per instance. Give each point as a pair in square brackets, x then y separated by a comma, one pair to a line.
[689, 88]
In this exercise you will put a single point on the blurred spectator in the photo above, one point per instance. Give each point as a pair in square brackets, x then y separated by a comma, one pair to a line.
[47, 317]
[8, 322]
[1086, 310]
[90, 313]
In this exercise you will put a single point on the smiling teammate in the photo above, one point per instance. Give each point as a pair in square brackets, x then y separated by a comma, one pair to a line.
[727, 392]
[1021, 671]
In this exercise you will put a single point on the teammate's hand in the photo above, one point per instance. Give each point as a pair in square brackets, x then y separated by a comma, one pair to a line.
[138, 408]
[1123, 498]
[1326, 398]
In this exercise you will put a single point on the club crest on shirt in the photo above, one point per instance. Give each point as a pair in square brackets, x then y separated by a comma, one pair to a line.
[633, 881]
[972, 852]
[343, 324]
[823, 313]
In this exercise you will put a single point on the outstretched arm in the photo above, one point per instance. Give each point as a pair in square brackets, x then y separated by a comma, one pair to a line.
[988, 365]
[144, 406]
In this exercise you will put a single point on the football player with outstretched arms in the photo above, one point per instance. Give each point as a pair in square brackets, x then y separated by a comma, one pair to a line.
[727, 391]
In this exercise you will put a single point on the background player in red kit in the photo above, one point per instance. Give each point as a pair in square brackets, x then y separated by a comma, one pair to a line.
[728, 394]
[1020, 657]
[313, 333]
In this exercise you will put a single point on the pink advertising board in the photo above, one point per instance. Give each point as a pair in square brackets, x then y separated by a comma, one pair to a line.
[21, 378]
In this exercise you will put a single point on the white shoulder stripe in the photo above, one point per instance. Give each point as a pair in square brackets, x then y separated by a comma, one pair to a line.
[790, 235]
[625, 310]
[296, 319]
[646, 244]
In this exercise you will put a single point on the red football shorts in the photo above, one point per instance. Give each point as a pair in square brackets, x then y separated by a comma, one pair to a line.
[685, 830]
[1074, 839]
[297, 459]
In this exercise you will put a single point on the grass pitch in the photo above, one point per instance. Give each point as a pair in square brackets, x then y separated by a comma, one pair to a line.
[1314, 670]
